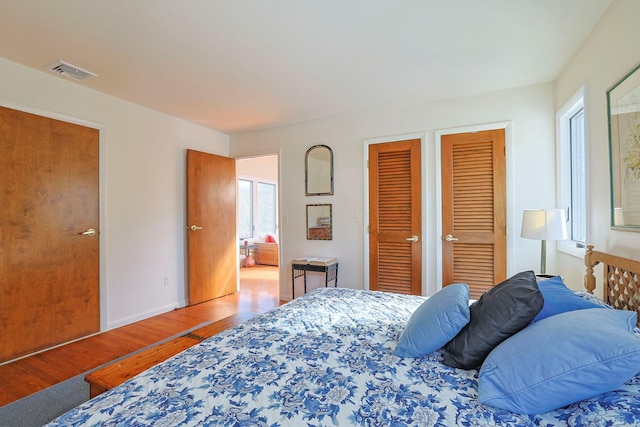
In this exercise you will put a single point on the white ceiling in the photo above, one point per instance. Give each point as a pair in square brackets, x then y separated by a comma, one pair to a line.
[235, 65]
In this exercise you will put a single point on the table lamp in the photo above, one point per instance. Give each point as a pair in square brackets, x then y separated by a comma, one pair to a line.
[544, 224]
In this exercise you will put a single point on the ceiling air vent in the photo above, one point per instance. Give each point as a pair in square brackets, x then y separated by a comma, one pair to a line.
[65, 69]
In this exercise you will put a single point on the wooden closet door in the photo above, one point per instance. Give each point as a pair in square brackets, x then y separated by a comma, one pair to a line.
[49, 270]
[395, 215]
[474, 210]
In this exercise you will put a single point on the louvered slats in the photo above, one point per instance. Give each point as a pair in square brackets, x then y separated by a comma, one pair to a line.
[473, 189]
[394, 268]
[394, 216]
[474, 266]
[473, 212]
[394, 191]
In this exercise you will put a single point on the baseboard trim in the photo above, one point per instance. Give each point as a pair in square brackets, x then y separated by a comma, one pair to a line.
[141, 316]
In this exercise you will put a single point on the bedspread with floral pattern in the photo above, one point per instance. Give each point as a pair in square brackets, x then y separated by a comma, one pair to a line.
[324, 359]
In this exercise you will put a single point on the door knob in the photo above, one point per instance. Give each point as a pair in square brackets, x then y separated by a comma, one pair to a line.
[194, 228]
[450, 238]
[89, 232]
[413, 238]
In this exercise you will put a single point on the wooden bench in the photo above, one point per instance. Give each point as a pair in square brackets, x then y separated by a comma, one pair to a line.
[120, 371]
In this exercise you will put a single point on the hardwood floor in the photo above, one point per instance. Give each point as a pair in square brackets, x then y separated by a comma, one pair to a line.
[259, 292]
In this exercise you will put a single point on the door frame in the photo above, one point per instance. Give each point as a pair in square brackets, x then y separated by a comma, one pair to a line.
[282, 268]
[510, 196]
[102, 163]
[427, 246]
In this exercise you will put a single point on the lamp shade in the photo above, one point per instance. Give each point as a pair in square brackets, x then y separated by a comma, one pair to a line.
[544, 224]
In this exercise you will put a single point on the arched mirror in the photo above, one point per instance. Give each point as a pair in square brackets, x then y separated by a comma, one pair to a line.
[318, 170]
[319, 222]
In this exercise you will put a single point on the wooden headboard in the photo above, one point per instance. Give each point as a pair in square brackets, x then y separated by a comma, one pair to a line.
[621, 279]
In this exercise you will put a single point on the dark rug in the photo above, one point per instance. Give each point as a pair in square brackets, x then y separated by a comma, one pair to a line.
[39, 408]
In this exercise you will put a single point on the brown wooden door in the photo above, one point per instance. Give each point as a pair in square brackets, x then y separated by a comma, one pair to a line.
[211, 217]
[474, 210]
[395, 215]
[49, 271]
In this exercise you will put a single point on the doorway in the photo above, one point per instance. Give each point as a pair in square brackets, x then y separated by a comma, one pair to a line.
[258, 227]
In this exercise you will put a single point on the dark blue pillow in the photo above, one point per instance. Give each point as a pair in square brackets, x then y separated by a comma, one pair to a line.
[435, 321]
[559, 299]
[560, 360]
[499, 313]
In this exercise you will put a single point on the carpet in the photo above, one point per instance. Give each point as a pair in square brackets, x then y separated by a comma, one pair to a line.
[46, 405]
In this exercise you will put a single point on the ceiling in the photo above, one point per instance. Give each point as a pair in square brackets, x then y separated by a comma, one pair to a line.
[237, 65]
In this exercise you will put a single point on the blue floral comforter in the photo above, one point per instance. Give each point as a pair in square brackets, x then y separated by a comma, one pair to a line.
[324, 359]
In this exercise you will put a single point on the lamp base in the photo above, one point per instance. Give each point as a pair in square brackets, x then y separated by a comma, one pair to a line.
[543, 258]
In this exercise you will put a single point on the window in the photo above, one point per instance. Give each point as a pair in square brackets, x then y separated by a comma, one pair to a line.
[577, 208]
[267, 207]
[572, 176]
[257, 209]
[245, 208]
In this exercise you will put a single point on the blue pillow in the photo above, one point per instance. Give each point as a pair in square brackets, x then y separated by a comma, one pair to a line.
[560, 360]
[559, 299]
[435, 321]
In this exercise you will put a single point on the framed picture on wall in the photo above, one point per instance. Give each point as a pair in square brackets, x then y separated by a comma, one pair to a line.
[623, 107]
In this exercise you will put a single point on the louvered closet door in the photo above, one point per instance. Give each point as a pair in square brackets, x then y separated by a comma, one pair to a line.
[473, 210]
[395, 245]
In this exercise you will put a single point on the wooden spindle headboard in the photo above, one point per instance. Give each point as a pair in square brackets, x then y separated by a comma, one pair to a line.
[621, 282]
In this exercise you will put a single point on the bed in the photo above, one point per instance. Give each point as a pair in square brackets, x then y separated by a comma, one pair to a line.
[328, 359]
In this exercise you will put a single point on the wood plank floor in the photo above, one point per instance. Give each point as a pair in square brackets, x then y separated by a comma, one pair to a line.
[259, 292]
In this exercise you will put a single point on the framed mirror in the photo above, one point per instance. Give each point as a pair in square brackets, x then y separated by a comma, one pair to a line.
[623, 107]
[319, 222]
[318, 171]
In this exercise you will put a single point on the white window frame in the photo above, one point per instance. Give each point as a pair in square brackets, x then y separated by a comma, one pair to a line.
[253, 209]
[563, 150]
[256, 233]
[256, 209]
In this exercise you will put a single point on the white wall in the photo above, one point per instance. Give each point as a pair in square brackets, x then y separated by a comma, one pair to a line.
[530, 164]
[263, 168]
[608, 54]
[143, 187]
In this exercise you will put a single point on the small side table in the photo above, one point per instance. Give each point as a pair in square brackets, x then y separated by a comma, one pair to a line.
[249, 249]
[330, 274]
